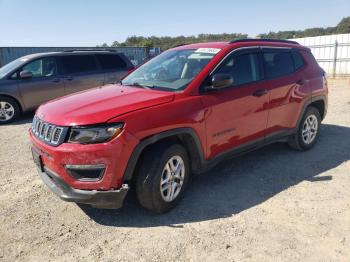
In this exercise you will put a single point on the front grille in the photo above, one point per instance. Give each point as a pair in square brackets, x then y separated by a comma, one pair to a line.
[49, 133]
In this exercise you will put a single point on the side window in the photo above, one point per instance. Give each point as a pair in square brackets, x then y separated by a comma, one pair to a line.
[78, 64]
[298, 60]
[278, 63]
[44, 67]
[109, 62]
[244, 68]
[14, 76]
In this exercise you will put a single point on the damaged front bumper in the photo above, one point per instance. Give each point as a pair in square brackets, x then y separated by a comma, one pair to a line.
[111, 199]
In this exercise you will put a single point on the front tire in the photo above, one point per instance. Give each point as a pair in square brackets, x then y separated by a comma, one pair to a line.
[162, 177]
[308, 130]
[9, 110]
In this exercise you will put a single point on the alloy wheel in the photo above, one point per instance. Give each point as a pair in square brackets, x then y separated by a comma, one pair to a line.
[7, 111]
[310, 128]
[172, 178]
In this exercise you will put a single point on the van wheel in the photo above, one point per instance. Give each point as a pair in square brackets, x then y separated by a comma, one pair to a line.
[162, 177]
[308, 130]
[9, 110]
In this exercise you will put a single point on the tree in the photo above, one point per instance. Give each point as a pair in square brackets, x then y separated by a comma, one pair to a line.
[344, 26]
[166, 42]
[115, 44]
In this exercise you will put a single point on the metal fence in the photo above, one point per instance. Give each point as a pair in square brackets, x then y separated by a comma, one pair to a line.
[137, 55]
[332, 52]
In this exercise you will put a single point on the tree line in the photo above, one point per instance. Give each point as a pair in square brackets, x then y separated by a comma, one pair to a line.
[166, 42]
[342, 28]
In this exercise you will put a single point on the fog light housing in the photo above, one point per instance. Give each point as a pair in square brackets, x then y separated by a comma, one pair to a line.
[86, 172]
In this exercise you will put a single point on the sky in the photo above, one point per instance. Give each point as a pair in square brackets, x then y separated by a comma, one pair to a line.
[93, 22]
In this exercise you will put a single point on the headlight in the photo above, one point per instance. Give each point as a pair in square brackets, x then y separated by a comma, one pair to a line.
[94, 134]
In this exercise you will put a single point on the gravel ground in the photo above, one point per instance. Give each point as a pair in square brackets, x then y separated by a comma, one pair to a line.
[274, 204]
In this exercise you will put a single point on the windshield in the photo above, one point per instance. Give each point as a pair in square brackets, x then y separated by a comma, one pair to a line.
[11, 66]
[172, 70]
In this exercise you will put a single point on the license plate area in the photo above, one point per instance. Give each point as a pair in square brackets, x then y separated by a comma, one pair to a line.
[38, 161]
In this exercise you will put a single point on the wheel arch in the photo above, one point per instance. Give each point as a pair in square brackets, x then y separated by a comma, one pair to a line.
[187, 137]
[320, 105]
[320, 102]
[16, 100]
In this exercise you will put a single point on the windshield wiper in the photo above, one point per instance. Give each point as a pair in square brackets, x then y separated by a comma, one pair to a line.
[140, 85]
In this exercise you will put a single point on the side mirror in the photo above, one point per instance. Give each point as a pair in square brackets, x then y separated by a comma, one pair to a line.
[25, 74]
[220, 81]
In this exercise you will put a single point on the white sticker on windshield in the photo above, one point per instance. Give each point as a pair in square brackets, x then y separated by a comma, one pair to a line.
[208, 50]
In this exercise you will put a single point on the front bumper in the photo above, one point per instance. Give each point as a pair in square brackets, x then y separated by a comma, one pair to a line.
[113, 155]
[111, 199]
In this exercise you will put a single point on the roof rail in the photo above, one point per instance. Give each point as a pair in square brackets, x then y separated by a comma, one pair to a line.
[179, 45]
[264, 40]
[91, 50]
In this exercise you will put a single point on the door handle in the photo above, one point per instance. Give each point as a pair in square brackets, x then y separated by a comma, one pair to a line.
[69, 78]
[301, 82]
[260, 92]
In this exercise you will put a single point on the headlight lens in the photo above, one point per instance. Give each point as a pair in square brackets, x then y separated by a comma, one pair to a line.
[94, 134]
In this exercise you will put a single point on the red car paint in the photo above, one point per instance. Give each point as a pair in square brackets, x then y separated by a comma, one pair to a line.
[221, 120]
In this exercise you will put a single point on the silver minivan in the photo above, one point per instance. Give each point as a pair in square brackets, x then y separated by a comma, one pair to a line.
[29, 81]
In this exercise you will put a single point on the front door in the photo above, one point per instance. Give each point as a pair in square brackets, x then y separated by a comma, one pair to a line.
[237, 115]
[44, 85]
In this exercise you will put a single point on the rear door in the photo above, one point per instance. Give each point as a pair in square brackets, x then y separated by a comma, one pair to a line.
[114, 66]
[287, 88]
[45, 84]
[80, 72]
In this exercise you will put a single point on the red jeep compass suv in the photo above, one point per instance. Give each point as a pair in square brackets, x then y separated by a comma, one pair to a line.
[179, 114]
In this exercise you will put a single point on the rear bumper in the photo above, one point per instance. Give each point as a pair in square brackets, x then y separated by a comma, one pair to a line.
[111, 199]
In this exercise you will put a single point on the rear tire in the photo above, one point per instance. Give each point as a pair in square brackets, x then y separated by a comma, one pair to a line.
[9, 110]
[308, 130]
[162, 177]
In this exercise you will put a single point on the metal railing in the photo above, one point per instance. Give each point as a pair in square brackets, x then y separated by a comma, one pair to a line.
[335, 59]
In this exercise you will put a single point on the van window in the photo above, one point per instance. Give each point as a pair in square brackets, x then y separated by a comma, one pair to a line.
[78, 64]
[244, 68]
[109, 62]
[6, 69]
[298, 60]
[44, 67]
[278, 63]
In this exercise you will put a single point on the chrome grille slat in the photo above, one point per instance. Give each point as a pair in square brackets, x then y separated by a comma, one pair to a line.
[34, 124]
[42, 129]
[38, 128]
[47, 132]
[56, 135]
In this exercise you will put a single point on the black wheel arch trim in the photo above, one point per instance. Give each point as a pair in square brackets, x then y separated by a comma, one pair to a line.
[178, 132]
[308, 103]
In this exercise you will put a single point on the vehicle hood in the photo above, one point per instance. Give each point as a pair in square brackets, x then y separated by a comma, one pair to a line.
[99, 105]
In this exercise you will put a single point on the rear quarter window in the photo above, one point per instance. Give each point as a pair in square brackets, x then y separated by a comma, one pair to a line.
[298, 59]
[110, 62]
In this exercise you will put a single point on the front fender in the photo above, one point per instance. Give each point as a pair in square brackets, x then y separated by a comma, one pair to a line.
[178, 132]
